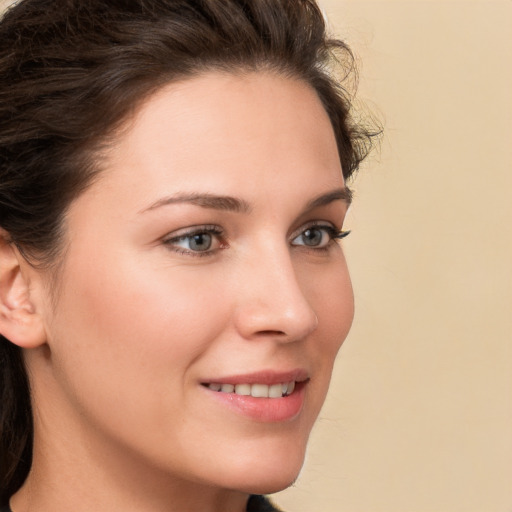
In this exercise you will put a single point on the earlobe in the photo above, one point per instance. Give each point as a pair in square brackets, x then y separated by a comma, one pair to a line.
[20, 321]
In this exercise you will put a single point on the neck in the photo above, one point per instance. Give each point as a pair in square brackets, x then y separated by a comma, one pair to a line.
[53, 487]
[75, 469]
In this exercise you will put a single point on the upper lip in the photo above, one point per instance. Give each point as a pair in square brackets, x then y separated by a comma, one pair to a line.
[268, 377]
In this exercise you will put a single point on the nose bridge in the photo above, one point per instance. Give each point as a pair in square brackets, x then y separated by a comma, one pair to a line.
[272, 301]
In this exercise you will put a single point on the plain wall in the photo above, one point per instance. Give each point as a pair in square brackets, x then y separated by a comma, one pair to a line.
[419, 416]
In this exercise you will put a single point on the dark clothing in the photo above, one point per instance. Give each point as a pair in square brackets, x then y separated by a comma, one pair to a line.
[259, 504]
[255, 504]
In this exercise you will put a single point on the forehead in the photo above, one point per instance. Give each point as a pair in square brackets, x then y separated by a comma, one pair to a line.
[230, 134]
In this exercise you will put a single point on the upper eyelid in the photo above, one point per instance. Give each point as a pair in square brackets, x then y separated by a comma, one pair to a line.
[192, 230]
[218, 230]
[315, 223]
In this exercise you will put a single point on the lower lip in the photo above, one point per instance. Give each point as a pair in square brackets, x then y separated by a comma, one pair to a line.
[268, 410]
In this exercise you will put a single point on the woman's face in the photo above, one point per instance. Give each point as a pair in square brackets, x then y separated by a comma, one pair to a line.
[203, 258]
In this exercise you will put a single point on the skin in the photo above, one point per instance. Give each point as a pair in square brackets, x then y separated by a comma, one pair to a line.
[122, 421]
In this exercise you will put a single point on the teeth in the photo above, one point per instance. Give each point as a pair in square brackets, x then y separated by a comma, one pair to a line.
[256, 390]
[259, 390]
[276, 391]
[243, 389]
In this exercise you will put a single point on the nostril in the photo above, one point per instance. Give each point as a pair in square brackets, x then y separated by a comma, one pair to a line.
[286, 316]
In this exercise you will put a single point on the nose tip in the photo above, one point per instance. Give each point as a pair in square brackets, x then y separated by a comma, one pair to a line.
[288, 323]
[277, 309]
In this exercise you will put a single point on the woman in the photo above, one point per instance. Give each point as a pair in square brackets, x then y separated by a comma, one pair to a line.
[173, 294]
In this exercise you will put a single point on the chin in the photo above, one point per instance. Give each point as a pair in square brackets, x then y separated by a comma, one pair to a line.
[267, 473]
[268, 484]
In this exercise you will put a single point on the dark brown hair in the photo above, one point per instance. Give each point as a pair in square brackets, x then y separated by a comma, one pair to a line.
[72, 70]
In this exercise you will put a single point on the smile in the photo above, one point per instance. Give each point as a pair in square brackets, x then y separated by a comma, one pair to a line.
[255, 390]
[265, 396]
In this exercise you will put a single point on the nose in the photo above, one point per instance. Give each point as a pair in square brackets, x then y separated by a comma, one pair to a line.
[271, 302]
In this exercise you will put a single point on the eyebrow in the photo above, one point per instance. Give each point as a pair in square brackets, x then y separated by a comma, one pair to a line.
[237, 205]
[204, 200]
[340, 194]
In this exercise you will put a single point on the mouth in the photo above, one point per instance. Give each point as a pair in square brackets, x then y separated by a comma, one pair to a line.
[265, 396]
[256, 390]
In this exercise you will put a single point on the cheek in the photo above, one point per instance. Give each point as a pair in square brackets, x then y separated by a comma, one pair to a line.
[126, 336]
[152, 309]
[330, 294]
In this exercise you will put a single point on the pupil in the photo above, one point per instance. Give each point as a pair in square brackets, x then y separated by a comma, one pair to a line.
[201, 242]
[312, 237]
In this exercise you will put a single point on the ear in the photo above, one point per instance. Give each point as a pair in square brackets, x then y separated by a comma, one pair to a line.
[20, 321]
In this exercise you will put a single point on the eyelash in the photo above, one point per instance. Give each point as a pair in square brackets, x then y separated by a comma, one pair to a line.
[333, 233]
[213, 230]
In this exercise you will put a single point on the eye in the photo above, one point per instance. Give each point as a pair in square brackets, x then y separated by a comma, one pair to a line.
[318, 236]
[198, 241]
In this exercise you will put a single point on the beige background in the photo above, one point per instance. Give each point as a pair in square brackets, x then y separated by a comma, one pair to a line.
[419, 417]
